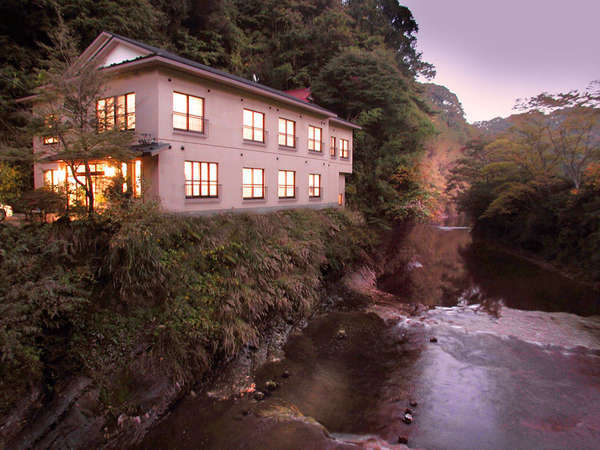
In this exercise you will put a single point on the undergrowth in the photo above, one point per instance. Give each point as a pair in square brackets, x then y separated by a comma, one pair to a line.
[176, 294]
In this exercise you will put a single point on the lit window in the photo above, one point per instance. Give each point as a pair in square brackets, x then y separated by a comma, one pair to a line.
[287, 133]
[188, 112]
[314, 138]
[124, 116]
[344, 148]
[332, 147]
[137, 178]
[314, 185]
[201, 179]
[254, 126]
[340, 199]
[287, 184]
[253, 183]
[49, 123]
[54, 178]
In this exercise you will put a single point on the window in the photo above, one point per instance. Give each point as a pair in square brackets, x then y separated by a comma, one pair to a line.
[117, 112]
[254, 126]
[314, 138]
[49, 123]
[314, 185]
[344, 148]
[332, 147]
[287, 184]
[137, 178]
[340, 199]
[201, 179]
[287, 133]
[54, 178]
[253, 183]
[188, 112]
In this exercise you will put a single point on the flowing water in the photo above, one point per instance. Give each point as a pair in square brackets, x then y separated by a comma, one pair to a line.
[504, 355]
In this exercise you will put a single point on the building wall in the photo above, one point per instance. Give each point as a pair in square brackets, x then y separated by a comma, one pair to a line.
[222, 143]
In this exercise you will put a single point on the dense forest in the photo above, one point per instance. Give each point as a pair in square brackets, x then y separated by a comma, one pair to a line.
[533, 180]
[133, 298]
[359, 58]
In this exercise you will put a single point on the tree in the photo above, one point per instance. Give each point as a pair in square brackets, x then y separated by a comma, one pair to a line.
[567, 125]
[369, 88]
[11, 183]
[65, 111]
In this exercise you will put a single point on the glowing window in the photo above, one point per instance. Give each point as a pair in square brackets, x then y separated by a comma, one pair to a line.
[344, 148]
[314, 138]
[201, 179]
[314, 185]
[188, 112]
[287, 133]
[254, 126]
[253, 183]
[287, 184]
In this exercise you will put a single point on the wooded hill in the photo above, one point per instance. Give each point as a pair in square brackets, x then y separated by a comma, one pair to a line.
[358, 56]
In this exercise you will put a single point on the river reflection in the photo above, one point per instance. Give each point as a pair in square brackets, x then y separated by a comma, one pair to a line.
[497, 361]
[445, 267]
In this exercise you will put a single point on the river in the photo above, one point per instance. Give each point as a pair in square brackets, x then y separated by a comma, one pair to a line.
[503, 354]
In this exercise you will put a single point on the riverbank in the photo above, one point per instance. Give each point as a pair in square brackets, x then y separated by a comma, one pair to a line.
[444, 363]
[108, 322]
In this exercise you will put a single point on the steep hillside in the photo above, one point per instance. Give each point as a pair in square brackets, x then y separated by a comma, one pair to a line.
[493, 126]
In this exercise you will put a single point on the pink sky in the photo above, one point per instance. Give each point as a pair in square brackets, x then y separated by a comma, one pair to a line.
[491, 52]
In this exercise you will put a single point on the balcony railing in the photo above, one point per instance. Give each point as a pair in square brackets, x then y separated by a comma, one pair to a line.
[254, 191]
[317, 146]
[286, 191]
[190, 123]
[254, 134]
[285, 140]
[315, 192]
[202, 189]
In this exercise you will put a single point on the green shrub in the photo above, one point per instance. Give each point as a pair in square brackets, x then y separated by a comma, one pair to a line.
[179, 293]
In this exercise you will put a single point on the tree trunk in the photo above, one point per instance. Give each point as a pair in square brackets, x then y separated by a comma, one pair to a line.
[89, 188]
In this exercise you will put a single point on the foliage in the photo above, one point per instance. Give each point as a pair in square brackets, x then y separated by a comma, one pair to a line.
[88, 295]
[44, 199]
[284, 44]
[535, 185]
[11, 183]
[366, 86]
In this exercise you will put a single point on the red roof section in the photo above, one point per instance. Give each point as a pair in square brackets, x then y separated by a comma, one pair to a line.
[303, 94]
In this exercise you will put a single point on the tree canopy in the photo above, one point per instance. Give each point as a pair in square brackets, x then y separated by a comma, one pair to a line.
[359, 56]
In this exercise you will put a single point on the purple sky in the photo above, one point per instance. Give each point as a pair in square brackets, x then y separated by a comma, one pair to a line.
[491, 52]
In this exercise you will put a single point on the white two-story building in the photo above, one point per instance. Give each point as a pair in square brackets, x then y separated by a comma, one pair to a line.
[212, 141]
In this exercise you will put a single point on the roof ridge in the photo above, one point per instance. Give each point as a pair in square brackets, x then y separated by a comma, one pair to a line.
[173, 56]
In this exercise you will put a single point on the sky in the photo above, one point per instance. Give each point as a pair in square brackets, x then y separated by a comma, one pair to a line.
[491, 52]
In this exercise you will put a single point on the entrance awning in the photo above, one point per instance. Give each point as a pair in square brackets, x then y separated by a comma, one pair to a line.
[151, 149]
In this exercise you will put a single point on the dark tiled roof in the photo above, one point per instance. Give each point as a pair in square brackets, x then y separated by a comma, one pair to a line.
[172, 56]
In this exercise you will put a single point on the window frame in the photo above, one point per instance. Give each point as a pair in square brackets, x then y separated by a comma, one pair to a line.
[49, 139]
[54, 182]
[344, 150]
[187, 113]
[314, 191]
[115, 117]
[286, 186]
[253, 127]
[252, 185]
[314, 141]
[208, 182]
[286, 135]
[332, 146]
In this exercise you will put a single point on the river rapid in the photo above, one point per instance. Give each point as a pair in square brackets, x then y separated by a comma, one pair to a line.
[471, 348]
